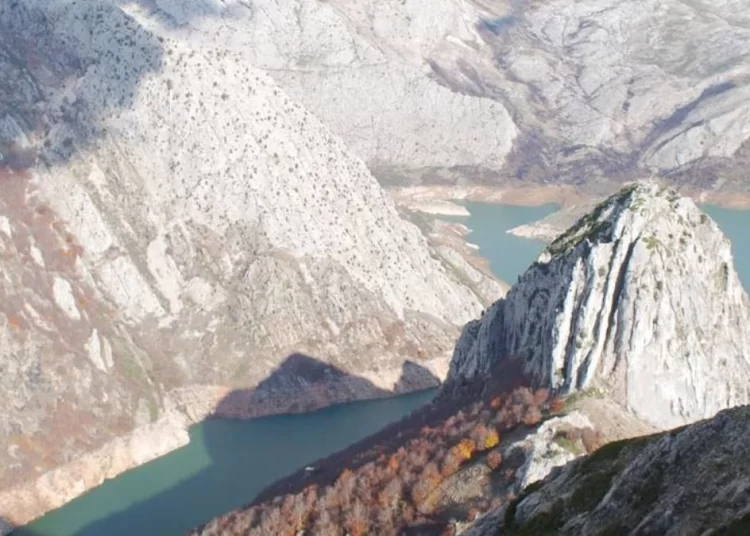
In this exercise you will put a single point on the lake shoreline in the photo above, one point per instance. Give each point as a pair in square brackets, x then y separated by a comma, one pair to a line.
[185, 407]
[414, 197]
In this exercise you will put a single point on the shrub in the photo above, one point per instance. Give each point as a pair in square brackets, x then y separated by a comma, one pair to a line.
[491, 440]
[465, 449]
[532, 416]
[451, 463]
[541, 396]
[391, 494]
[356, 520]
[557, 406]
[393, 464]
[494, 460]
[420, 490]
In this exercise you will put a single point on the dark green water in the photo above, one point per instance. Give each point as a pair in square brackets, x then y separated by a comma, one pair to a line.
[736, 225]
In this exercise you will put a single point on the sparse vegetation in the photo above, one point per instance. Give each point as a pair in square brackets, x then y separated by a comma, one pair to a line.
[591, 225]
[570, 445]
[652, 242]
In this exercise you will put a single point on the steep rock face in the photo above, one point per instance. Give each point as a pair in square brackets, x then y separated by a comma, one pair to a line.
[639, 296]
[171, 222]
[361, 68]
[606, 89]
[689, 481]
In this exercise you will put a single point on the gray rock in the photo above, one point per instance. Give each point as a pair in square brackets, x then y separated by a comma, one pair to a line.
[689, 481]
[585, 92]
[641, 297]
[174, 226]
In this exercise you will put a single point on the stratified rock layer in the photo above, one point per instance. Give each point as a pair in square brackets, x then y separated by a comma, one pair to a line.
[641, 297]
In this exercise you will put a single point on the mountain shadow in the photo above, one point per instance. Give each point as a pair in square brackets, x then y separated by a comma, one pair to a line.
[415, 377]
[53, 53]
[233, 461]
[301, 383]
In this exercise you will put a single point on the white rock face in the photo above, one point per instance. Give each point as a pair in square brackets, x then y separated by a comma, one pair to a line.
[491, 90]
[197, 226]
[542, 453]
[641, 296]
[586, 92]
[363, 68]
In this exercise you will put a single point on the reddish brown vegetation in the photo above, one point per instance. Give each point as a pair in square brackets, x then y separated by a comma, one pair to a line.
[494, 460]
[557, 406]
[389, 483]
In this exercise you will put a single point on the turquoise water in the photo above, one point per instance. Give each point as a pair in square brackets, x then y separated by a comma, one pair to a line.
[509, 256]
[228, 462]
[736, 225]
[225, 465]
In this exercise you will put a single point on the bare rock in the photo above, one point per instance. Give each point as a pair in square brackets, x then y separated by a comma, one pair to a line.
[639, 296]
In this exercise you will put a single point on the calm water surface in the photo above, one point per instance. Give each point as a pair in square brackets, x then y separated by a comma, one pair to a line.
[225, 465]
[736, 225]
[509, 255]
[228, 462]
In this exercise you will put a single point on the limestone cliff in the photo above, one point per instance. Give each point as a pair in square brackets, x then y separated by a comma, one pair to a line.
[639, 297]
[174, 225]
[440, 91]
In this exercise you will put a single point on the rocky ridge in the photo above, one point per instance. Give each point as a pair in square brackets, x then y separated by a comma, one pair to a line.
[689, 481]
[602, 275]
[440, 91]
[639, 297]
[174, 227]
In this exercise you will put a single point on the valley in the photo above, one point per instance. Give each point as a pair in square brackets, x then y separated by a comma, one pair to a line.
[221, 210]
[249, 453]
[445, 467]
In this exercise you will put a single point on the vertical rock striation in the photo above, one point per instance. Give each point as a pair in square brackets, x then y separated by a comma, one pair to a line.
[639, 296]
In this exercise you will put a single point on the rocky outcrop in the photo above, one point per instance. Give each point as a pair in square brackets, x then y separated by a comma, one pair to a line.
[640, 297]
[172, 218]
[688, 481]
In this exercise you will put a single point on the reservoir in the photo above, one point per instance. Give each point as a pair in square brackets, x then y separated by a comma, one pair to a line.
[508, 255]
[736, 225]
[228, 462]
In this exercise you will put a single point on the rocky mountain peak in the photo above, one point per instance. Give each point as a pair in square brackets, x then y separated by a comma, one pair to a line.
[640, 297]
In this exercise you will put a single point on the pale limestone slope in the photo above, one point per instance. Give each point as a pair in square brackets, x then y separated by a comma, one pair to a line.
[174, 225]
[585, 92]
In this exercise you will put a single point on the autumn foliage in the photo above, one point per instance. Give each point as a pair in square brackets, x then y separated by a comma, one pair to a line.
[387, 487]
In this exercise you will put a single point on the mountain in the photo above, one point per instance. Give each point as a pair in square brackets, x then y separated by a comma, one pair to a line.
[590, 93]
[528, 395]
[687, 481]
[640, 298]
[175, 227]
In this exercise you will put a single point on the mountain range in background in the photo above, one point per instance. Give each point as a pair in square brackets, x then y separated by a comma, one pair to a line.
[193, 194]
